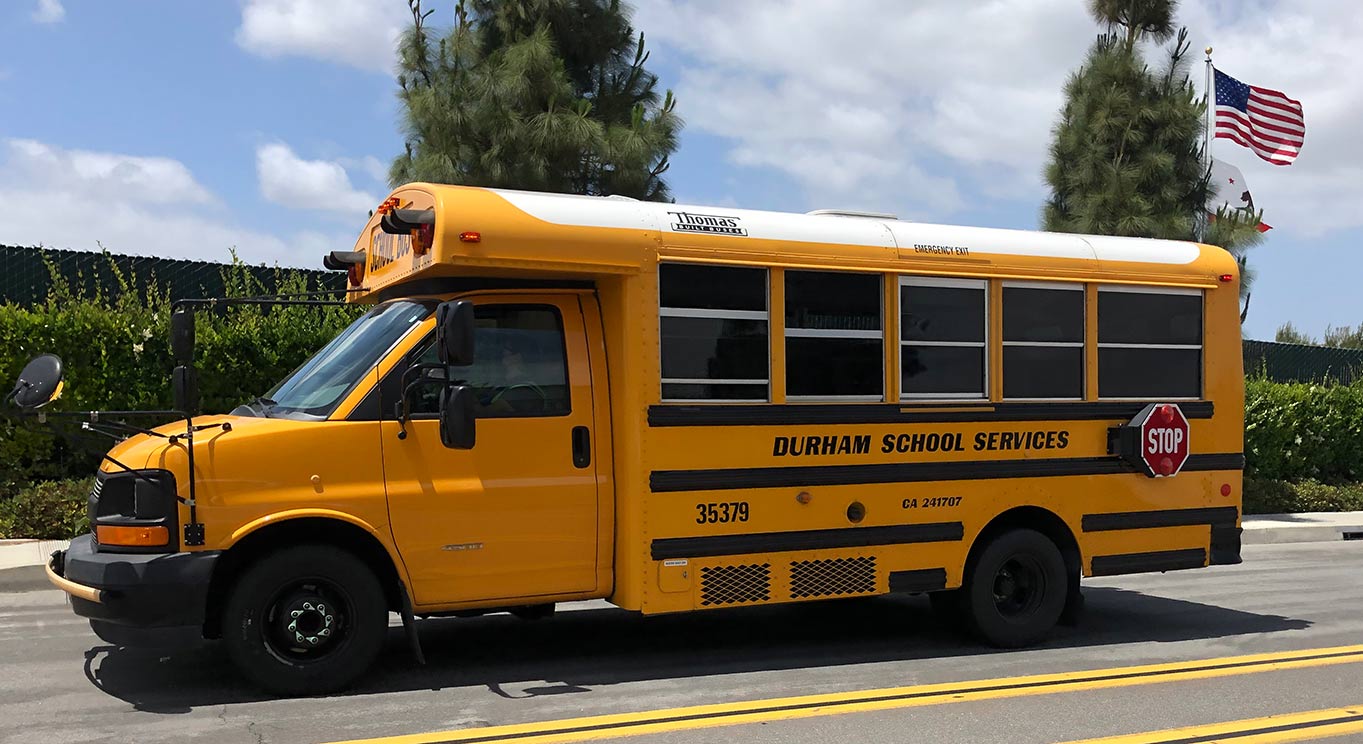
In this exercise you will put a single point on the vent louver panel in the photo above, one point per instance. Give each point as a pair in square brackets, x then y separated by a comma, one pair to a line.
[722, 585]
[833, 577]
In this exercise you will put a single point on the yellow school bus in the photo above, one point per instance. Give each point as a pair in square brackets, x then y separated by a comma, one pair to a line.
[676, 408]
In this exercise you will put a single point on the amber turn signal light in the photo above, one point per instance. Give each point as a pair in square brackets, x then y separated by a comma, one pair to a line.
[146, 537]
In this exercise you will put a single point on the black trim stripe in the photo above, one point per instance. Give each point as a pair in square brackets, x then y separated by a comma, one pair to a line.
[1225, 545]
[918, 580]
[902, 413]
[1160, 560]
[1216, 516]
[780, 542]
[552, 728]
[727, 479]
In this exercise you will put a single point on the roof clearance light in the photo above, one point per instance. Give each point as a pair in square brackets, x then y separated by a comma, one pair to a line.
[469, 236]
[388, 205]
[1226, 277]
[422, 238]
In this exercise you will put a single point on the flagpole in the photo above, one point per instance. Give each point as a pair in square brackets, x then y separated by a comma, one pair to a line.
[1211, 111]
[1207, 133]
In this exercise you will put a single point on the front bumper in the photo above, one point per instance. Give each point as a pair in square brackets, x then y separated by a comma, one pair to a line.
[135, 599]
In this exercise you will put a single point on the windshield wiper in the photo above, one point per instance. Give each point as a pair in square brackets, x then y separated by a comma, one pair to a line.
[264, 404]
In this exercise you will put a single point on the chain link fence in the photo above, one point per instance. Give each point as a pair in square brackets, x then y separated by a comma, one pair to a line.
[27, 278]
[1300, 363]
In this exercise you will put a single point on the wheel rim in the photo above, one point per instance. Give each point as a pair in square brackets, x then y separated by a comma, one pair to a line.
[308, 620]
[1019, 586]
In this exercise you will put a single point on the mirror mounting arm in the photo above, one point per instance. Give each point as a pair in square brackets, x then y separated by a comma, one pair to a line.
[403, 408]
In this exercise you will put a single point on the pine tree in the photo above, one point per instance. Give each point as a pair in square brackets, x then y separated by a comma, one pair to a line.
[1288, 334]
[549, 95]
[1127, 155]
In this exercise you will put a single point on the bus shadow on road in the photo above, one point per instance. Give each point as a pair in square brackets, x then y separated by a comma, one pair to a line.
[576, 650]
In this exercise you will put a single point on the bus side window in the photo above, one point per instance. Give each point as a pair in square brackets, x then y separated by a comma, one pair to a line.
[943, 324]
[713, 323]
[834, 336]
[1043, 341]
[1149, 342]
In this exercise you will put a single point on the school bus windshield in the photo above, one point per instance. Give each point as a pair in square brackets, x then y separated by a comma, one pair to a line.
[316, 387]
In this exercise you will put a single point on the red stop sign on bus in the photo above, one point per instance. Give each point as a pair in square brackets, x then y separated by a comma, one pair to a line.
[1163, 438]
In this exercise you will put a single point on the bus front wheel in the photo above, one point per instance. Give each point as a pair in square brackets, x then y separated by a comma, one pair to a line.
[1015, 592]
[306, 620]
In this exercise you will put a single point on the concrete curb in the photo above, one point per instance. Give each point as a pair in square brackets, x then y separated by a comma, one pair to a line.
[16, 553]
[1276, 529]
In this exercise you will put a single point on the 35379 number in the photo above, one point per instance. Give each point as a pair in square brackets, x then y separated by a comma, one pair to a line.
[718, 513]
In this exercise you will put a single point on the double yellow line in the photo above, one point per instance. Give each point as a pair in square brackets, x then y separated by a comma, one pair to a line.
[809, 706]
[1316, 724]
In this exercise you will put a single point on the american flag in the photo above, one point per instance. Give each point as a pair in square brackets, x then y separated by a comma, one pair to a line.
[1265, 121]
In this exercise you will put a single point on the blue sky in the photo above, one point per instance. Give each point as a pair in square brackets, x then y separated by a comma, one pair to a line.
[183, 129]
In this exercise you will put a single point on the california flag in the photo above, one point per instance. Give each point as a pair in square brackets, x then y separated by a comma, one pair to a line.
[1232, 191]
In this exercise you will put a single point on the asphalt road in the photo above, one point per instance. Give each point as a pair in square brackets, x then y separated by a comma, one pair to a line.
[59, 683]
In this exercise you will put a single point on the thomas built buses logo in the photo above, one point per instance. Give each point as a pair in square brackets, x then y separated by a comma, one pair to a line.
[706, 223]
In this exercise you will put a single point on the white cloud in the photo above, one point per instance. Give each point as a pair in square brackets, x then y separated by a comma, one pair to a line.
[358, 33]
[102, 175]
[131, 204]
[49, 11]
[291, 181]
[893, 105]
[861, 106]
[373, 168]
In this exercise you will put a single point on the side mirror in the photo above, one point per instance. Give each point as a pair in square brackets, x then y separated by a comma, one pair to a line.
[39, 383]
[456, 417]
[182, 335]
[454, 333]
[184, 384]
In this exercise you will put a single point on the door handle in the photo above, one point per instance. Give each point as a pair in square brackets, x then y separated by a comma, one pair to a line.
[582, 446]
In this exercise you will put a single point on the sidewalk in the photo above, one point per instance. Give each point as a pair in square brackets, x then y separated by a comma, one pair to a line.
[1271, 529]
[22, 564]
[22, 561]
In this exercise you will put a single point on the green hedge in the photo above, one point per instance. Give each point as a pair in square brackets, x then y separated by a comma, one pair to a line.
[1304, 431]
[1283, 497]
[117, 356]
[50, 510]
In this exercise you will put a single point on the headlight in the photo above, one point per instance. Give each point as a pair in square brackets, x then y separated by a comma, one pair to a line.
[134, 512]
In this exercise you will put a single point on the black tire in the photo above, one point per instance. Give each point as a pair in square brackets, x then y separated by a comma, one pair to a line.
[305, 620]
[1016, 589]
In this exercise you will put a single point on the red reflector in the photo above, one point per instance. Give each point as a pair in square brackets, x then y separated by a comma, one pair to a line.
[1226, 277]
[469, 237]
[1225, 489]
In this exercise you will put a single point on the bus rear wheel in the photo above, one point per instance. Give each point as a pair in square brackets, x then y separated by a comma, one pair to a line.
[1016, 589]
[306, 620]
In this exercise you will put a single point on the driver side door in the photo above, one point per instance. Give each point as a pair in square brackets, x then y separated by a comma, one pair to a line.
[516, 516]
